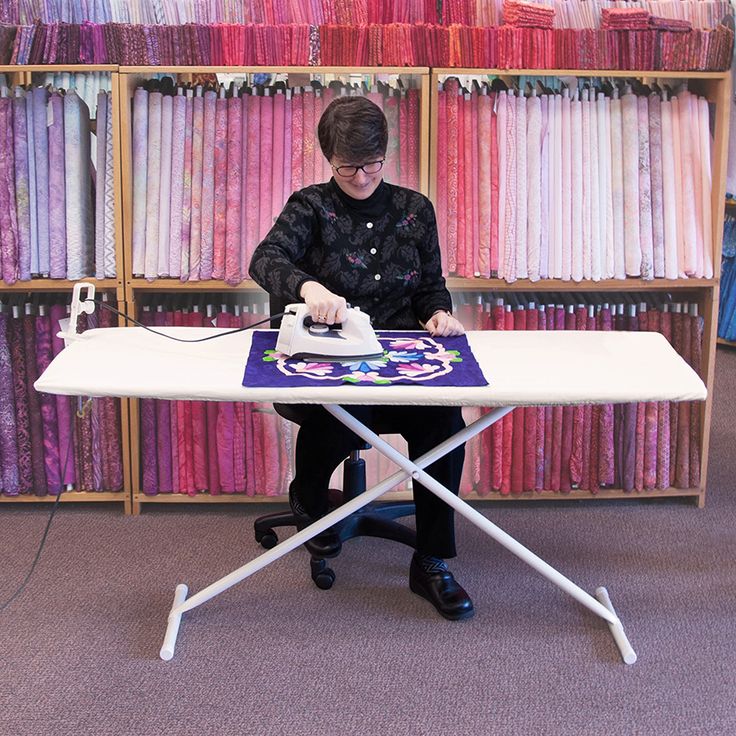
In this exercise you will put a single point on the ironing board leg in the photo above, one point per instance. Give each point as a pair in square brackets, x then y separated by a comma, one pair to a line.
[604, 611]
[182, 604]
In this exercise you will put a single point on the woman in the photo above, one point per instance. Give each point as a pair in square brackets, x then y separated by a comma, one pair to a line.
[358, 240]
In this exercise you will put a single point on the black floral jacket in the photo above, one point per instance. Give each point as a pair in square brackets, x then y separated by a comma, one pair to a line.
[381, 254]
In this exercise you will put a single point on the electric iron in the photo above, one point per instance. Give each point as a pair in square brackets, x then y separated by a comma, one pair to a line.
[301, 337]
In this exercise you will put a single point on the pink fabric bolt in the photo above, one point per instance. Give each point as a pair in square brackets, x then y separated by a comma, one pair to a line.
[522, 189]
[186, 198]
[220, 195]
[645, 191]
[617, 193]
[534, 186]
[153, 184]
[630, 154]
[669, 194]
[267, 165]
[484, 185]
[234, 196]
[209, 203]
[576, 171]
[567, 188]
[195, 232]
[164, 199]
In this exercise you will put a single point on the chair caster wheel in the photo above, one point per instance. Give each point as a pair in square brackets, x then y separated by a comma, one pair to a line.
[322, 575]
[267, 539]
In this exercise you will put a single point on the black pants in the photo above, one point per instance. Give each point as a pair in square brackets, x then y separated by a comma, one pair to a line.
[324, 442]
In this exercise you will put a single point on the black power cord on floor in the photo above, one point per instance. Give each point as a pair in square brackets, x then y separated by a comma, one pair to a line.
[22, 586]
[107, 306]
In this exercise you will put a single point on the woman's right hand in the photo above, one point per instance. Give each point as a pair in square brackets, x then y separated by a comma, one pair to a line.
[323, 305]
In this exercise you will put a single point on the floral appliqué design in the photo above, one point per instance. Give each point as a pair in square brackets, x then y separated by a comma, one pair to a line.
[403, 359]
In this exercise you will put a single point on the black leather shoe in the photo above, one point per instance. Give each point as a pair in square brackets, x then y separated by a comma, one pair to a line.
[327, 543]
[441, 590]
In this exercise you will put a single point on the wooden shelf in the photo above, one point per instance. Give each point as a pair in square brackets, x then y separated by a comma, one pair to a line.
[57, 284]
[457, 284]
[312, 70]
[58, 68]
[630, 73]
[632, 284]
[69, 497]
[574, 495]
[177, 285]
[726, 343]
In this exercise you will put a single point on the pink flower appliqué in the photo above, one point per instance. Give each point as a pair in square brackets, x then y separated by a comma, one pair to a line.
[414, 370]
[318, 369]
[405, 343]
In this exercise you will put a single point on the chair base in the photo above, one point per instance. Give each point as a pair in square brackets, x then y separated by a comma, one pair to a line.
[374, 520]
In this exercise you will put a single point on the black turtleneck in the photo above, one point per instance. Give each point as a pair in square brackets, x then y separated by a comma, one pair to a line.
[380, 253]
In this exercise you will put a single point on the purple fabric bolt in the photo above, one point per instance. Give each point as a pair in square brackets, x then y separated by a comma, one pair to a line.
[63, 405]
[8, 222]
[140, 176]
[112, 468]
[41, 156]
[109, 233]
[148, 436]
[22, 194]
[101, 161]
[20, 392]
[195, 233]
[34, 411]
[9, 470]
[47, 402]
[80, 229]
[57, 198]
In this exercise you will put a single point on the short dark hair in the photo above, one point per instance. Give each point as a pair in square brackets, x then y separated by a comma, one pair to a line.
[354, 129]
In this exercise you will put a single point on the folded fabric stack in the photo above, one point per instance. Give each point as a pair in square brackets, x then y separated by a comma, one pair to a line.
[624, 19]
[530, 15]
[670, 24]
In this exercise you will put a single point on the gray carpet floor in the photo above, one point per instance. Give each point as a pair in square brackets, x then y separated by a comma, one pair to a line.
[275, 655]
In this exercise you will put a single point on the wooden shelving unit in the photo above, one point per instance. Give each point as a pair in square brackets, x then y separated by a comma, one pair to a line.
[716, 86]
[115, 287]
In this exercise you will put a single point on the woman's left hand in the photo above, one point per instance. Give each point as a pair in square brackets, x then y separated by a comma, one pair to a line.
[443, 324]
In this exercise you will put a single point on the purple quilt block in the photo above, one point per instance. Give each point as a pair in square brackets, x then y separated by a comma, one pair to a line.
[409, 358]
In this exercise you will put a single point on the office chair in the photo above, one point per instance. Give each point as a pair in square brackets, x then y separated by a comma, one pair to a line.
[374, 520]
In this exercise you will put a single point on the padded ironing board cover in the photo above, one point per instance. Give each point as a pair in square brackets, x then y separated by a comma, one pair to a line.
[522, 368]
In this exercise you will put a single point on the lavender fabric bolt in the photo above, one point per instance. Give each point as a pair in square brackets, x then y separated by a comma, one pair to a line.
[195, 231]
[79, 207]
[32, 198]
[410, 358]
[153, 184]
[140, 174]
[177, 184]
[109, 235]
[22, 194]
[41, 155]
[164, 193]
[57, 187]
[101, 163]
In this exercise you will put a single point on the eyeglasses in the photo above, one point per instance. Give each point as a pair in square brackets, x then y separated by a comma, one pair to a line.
[349, 171]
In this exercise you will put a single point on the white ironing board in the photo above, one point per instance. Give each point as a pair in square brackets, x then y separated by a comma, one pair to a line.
[522, 368]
